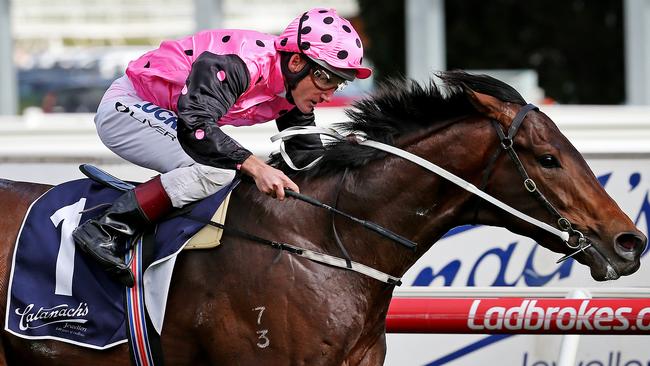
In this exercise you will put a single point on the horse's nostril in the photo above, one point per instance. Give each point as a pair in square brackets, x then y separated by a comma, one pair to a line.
[630, 242]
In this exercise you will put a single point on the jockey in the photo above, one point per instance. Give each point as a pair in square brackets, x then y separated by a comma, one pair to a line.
[165, 114]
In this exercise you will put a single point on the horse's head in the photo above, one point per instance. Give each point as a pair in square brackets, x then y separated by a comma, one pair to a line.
[559, 186]
[536, 171]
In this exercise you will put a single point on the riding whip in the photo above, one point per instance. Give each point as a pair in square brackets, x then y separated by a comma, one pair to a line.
[367, 224]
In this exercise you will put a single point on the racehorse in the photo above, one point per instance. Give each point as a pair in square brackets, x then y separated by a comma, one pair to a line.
[247, 304]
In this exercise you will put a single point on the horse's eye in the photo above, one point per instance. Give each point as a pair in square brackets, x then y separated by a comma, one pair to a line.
[548, 161]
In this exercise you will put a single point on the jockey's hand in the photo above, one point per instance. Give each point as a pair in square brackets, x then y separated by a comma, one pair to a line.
[269, 180]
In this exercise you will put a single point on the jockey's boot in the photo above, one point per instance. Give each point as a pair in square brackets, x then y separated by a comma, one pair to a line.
[106, 238]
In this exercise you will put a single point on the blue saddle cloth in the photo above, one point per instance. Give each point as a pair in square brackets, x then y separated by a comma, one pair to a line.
[55, 292]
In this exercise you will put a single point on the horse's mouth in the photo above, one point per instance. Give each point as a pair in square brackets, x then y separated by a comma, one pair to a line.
[603, 268]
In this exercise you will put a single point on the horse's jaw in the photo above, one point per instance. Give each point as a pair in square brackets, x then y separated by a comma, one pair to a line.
[600, 267]
[606, 268]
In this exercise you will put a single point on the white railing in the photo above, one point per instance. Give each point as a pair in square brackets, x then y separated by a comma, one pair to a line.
[594, 130]
[47, 148]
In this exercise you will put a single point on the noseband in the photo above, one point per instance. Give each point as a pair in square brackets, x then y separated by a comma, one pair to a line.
[507, 145]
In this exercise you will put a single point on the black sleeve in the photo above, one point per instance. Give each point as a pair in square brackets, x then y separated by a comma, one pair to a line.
[302, 148]
[214, 84]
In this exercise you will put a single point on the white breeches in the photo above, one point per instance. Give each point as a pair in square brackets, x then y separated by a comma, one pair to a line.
[145, 134]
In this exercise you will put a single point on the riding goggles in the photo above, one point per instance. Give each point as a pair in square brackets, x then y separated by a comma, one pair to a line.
[326, 81]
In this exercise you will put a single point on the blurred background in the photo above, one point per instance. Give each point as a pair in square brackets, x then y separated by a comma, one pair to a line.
[585, 63]
[60, 55]
[57, 57]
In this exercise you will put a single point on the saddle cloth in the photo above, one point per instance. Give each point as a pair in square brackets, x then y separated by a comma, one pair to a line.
[56, 293]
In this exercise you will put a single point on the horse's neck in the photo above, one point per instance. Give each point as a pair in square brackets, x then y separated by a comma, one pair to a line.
[400, 201]
[391, 192]
[409, 200]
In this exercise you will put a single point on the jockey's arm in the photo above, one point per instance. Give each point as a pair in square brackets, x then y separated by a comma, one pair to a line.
[207, 99]
[209, 96]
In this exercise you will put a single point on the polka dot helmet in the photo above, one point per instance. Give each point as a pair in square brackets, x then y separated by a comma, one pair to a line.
[328, 40]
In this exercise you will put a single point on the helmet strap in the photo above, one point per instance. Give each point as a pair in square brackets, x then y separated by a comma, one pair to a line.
[292, 79]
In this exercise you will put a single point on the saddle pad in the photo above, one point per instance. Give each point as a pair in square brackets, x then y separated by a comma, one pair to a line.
[55, 293]
[210, 236]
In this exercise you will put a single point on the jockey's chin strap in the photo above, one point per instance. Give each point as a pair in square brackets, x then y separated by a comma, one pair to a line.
[565, 231]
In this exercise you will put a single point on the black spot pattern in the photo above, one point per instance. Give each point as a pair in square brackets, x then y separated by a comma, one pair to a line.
[305, 30]
[342, 54]
[323, 11]
[225, 39]
[304, 18]
[283, 42]
[347, 29]
[326, 38]
[147, 65]
[305, 46]
[328, 20]
[358, 43]
[189, 52]
[259, 43]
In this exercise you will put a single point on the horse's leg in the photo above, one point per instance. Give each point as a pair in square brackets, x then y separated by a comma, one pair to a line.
[226, 315]
[370, 352]
[53, 353]
[3, 358]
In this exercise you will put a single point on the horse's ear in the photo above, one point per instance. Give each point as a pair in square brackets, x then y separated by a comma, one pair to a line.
[491, 106]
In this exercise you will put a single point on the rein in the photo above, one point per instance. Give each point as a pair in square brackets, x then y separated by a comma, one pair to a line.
[306, 253]
[565, 230]
[367, 224]
[110, 181]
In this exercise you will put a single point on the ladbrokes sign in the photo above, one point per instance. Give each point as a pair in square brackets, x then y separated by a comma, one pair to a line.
[572, 316]
[519, 316]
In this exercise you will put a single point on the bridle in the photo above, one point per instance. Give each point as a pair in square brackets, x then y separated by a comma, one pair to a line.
[507, 145]
[564, 229]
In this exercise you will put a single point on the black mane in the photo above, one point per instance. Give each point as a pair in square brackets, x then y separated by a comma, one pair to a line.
[399, 107]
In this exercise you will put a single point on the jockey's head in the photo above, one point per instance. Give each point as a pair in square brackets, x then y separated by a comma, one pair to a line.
[325, 46]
